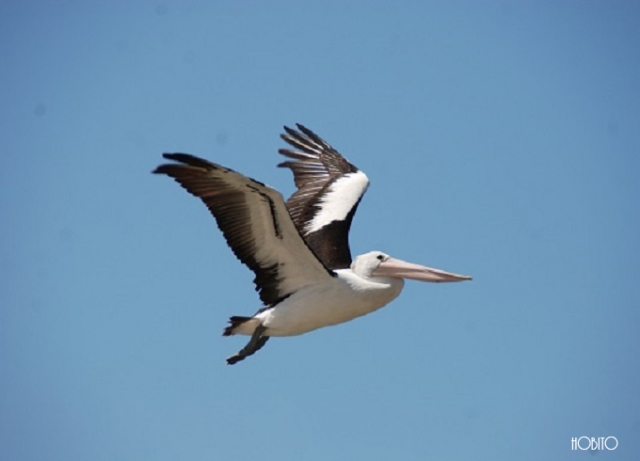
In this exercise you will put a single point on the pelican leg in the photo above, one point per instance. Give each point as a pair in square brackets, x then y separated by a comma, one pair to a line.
[254, 345]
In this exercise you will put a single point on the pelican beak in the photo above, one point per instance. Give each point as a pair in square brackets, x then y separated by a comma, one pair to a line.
[397, 268]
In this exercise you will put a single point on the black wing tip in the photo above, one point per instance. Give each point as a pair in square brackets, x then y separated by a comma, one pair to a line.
[301, 130]
[187, 159]
[300, 126]
[289, 130]
[293, 137]
[307, 131]
[183, 161]
[179, 156]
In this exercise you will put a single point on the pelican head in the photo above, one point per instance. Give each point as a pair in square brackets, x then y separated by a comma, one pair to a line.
[379, 264]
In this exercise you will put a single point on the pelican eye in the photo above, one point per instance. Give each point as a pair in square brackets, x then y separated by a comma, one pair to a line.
[381, 258]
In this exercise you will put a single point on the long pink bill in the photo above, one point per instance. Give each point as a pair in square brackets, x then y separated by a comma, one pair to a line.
[397, 268]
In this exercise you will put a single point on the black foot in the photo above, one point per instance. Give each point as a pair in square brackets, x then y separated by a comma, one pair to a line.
[254, 345]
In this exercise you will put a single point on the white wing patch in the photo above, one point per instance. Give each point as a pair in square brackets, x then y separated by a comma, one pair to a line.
[337, 202]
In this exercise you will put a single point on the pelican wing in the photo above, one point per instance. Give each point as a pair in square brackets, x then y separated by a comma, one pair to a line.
[255, 223]
[329, 191]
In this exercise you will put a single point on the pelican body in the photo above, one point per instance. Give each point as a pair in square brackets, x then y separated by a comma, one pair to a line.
[298, 250]
[339, 300]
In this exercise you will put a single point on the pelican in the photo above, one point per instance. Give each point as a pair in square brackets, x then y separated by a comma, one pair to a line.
[298, 249]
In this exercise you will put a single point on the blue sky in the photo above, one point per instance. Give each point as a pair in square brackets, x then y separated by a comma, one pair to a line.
[501, 140]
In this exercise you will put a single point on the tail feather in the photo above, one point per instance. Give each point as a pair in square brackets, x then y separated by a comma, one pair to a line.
[235, 322]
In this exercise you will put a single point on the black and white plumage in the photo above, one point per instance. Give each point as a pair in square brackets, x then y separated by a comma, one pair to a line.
[298, 251]
[329, 192]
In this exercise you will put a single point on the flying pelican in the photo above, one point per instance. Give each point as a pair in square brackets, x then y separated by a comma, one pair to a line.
[298, 250]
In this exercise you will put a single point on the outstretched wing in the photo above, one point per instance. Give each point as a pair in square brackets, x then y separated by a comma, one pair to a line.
[256, 224]
[329, 191]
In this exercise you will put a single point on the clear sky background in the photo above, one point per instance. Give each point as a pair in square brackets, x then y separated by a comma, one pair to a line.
[501, 140]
